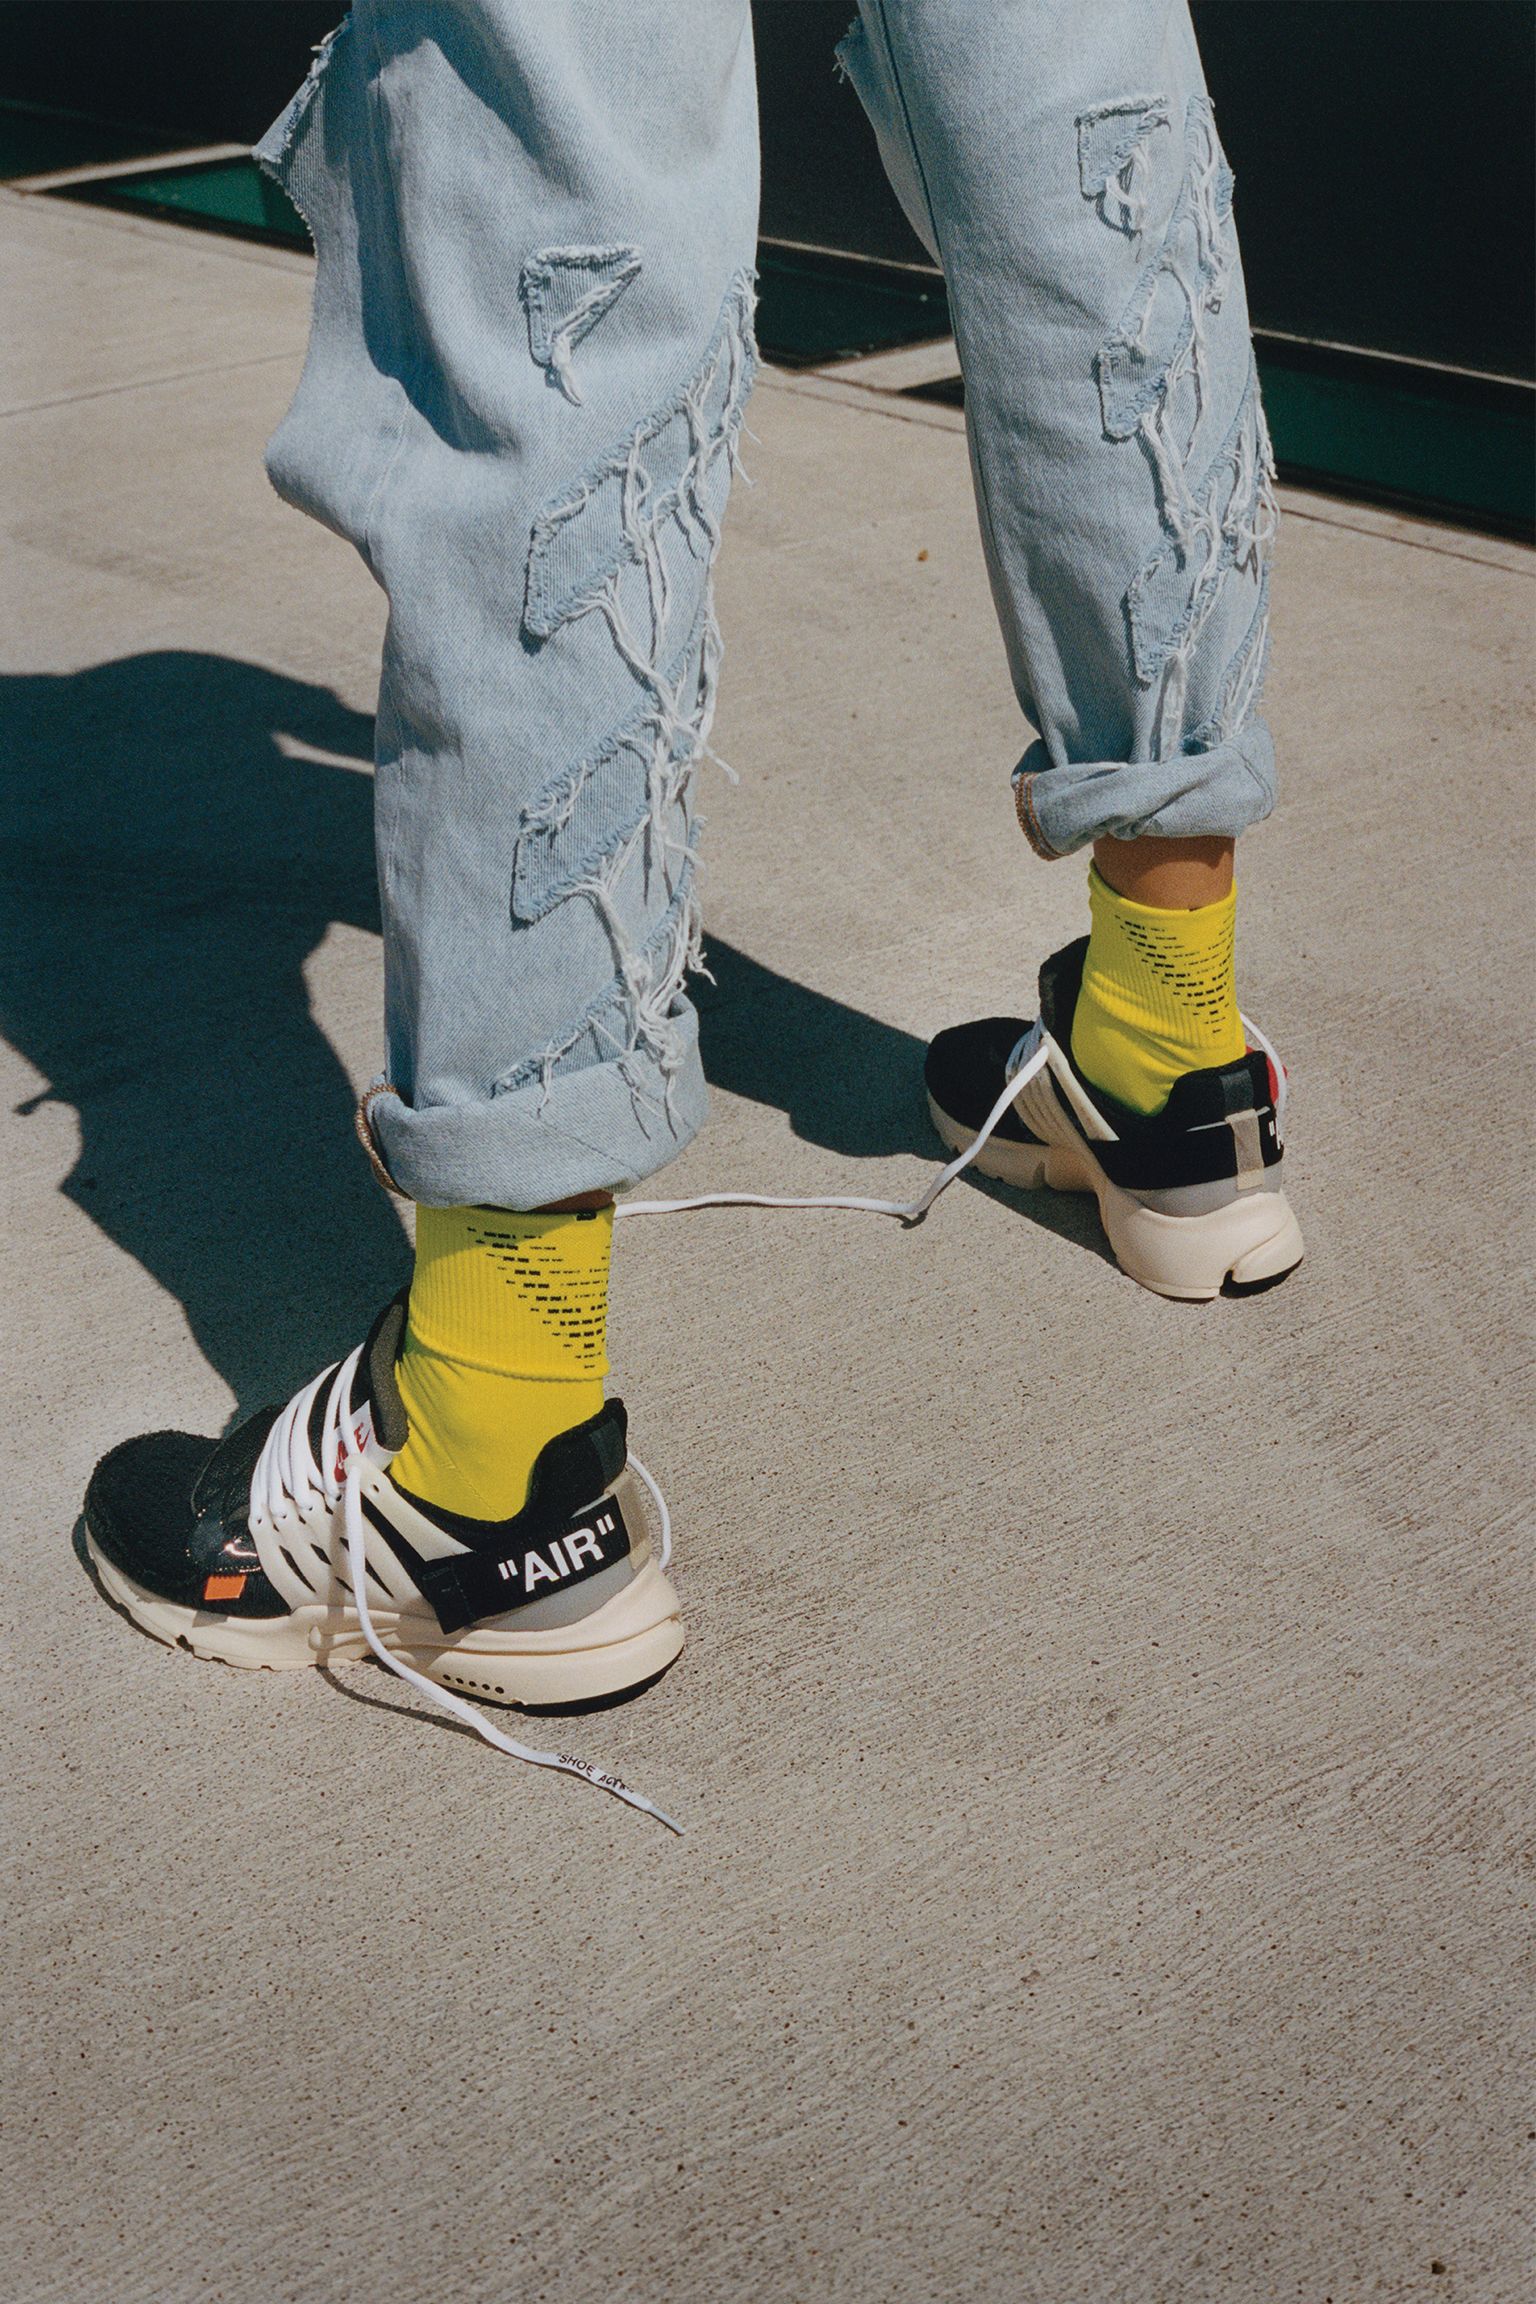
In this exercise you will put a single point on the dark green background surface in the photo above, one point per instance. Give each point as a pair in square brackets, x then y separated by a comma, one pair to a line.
[1384, 153]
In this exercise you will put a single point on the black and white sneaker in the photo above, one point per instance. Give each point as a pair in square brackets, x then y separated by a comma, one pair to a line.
[1190, 1197]
[288, 1543]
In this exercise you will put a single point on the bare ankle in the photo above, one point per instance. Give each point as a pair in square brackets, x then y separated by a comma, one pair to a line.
[1172, 875]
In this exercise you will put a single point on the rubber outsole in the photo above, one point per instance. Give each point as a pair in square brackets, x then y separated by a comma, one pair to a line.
[1250, 1244]
[632, 1638]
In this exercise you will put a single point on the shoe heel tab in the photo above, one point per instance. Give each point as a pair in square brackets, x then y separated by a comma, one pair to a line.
[380, 1352]
[1266, 1081]
[1220, 1092]
[610, 1438]
[579, 1464]
[569, 1473]
[1061, 981]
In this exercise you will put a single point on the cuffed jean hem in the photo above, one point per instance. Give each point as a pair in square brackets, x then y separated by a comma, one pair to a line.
[601, 1129]
[1200, 795]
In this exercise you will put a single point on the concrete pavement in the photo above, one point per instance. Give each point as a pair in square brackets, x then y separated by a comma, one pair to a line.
[1102, 1728]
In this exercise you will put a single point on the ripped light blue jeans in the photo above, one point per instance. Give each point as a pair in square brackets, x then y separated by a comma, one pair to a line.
[530, 354]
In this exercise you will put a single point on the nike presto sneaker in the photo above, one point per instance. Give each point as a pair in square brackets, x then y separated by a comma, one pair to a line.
[288, 1543]
[1189, 1197]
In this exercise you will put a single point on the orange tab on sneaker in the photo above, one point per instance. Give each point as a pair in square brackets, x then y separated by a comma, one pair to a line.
[223, 1587]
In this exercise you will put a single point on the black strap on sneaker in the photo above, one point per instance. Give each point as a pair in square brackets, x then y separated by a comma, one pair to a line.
[469, 1586]
[569, 1529]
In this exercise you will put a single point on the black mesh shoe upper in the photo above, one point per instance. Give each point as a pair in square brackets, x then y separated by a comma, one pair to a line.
[963, 1073]
[169, 1510]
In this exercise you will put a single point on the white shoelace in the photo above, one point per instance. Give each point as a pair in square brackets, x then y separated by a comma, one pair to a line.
[287, 1478]
[1030, 1056]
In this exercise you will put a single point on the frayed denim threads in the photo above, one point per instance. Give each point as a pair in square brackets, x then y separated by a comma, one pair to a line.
[530, 357]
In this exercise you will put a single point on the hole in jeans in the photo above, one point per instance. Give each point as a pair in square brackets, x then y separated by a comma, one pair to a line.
[565, 293]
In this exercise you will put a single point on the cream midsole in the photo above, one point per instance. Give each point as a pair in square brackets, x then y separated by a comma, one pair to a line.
[1254, 1237]
[632, 1636]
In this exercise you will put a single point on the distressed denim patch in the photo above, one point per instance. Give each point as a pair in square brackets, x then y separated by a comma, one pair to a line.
[633, 1021]
[1154, 374]
[589, 814]
[633, 543]
[1241, 684]
[1171, 598]
[1158, 344]
[667, 480]
[1114, 158]
[566, 292]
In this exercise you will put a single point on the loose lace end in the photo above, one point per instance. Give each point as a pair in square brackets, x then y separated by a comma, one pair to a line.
[443, 1699]
[282, 1462]
[1028, 1058]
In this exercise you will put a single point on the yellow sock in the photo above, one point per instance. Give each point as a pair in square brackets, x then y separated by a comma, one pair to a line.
[505, 1345]
[1159, 995]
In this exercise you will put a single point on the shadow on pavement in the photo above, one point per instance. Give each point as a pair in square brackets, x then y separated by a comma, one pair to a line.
[167, 867]
[844, 1080]
[172, 850]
